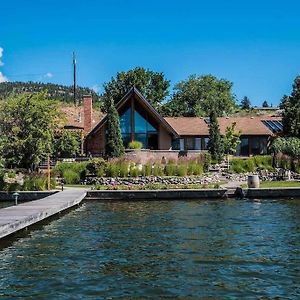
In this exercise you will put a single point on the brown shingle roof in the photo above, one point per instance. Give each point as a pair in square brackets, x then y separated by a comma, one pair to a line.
[198, 126]
[75, 116]
[188, 125]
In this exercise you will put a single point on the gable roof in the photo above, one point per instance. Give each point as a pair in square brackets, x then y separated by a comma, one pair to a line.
[198, 126]
[139, 97]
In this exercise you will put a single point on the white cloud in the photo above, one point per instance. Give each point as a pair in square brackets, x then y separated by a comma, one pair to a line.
[95, 88]
[1, 54]
[48, 75]
[2, 78]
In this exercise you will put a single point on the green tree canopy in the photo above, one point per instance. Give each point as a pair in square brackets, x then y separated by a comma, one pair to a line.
[245, 103]
[152, 85]
[231, 139]
[291, 111]
[114, 143]
[200, 95]
[27, 124]
[215, 143]
[67, 144]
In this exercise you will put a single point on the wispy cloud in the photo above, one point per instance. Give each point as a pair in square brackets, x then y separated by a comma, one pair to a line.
[96, 88]
[2, 77]
[48, 75]
[1, 54]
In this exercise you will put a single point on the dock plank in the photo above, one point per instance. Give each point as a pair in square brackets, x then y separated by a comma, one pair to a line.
[15, 218]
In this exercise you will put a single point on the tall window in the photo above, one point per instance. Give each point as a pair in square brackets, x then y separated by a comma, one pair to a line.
[142, 130]
[125, 125]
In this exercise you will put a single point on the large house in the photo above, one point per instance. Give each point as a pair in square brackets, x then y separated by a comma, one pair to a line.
[139, 121]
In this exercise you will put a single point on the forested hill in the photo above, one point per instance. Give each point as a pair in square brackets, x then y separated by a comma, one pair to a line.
[56, 91]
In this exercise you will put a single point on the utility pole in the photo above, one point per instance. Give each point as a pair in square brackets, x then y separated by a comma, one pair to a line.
[74, 78]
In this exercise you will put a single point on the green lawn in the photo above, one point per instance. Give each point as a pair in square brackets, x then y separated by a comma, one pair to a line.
[275, 184]
[77, 185]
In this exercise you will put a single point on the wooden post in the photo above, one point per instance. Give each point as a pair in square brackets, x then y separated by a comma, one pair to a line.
[49, 173]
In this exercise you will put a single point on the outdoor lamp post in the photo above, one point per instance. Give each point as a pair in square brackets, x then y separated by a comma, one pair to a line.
[16, 195]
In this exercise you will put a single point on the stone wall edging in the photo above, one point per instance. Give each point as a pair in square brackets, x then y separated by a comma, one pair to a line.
[25, 195]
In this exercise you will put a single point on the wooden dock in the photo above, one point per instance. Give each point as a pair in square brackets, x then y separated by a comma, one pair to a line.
[15, 218]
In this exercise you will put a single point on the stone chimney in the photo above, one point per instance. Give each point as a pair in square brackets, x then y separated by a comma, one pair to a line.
[87, 112]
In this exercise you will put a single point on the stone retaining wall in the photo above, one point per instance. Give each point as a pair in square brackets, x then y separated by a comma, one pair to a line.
[157, 195]
[144, 156]
[26, 196]
[272, 193]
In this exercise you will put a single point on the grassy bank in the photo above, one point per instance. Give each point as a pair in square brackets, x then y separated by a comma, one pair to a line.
[277, 184]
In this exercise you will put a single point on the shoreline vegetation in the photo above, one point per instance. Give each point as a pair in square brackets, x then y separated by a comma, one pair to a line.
[121, 174]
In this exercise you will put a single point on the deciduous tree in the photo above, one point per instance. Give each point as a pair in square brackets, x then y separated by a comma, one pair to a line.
[27, 124]
[231, 139]
[152, 85]
[67, 144]
[199, 95]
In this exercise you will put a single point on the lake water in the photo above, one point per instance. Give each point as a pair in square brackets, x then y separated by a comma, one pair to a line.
[233, 249]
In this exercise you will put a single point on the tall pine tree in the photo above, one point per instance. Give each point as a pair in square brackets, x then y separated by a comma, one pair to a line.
[215, 143]
[114, 143]
[291, 111]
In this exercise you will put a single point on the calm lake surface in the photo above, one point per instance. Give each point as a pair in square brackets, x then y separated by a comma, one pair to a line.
[233, 249]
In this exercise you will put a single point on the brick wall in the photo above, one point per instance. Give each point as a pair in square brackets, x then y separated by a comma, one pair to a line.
[145, 156]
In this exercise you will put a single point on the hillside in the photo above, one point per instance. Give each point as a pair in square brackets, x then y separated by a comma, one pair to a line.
[56, 91]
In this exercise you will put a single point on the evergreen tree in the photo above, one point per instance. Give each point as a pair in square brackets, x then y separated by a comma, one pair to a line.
[265, 104]
[245, 103]
[215, 143]
[291, 111]
[114, 144]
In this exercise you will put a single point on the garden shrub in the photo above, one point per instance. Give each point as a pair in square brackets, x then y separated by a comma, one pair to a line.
[182, 170]
[207, 161]
[112, 170]
[158, 170]
[195, 168]
[64, 169]
[101, 171]
[238, 165]
[147, 170]
[123, 169]
[170, 169]
[296, 166]
[96, 164]
[263, 162]
[71, 177]
[289, 146]
[134, 171]
[135, 145]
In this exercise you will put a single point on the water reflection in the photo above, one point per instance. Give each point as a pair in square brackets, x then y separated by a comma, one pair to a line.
[229, 249]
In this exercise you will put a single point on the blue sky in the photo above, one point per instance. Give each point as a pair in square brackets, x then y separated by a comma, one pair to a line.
[255, 44]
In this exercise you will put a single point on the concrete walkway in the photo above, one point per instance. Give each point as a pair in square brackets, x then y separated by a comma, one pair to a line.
[15, 218]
